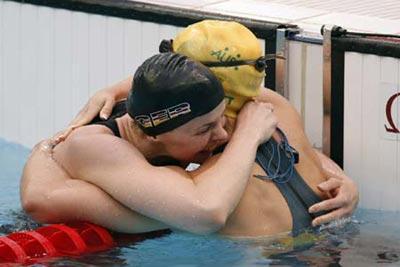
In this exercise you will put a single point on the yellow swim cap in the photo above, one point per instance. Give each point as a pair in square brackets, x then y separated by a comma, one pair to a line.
[225, 41]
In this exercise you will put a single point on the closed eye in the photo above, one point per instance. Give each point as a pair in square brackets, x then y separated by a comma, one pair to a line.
[205, 130]
[207, 127]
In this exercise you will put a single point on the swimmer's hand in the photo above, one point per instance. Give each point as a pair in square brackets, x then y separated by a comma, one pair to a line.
[100, 103]
[344, 199]
[62, 135]
[342, 190]
[257, 121]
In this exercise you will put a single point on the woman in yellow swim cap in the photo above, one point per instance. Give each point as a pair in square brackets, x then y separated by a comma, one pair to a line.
[262, 209]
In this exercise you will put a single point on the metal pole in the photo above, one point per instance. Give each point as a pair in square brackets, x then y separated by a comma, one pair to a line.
[281, 63]
[327, 88]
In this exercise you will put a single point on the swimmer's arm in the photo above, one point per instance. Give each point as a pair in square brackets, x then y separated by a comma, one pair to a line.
[49, 195]
[81, 201]
[165, 194]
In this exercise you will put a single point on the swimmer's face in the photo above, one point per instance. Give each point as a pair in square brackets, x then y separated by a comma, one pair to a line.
[195, 140]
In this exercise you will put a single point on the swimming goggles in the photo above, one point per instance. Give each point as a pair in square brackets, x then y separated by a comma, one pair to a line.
[260, 64]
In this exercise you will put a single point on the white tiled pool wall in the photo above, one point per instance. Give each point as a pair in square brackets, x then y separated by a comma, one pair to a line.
[371, 152]
[52, 60]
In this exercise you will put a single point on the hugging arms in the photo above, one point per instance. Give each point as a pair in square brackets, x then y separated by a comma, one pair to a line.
[101, 173]
[66, 199]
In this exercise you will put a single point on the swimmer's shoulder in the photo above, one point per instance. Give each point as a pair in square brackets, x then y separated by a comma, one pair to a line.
[92, 129]
[270, 96]
[282, 107]
[87, 136]
[89, 147]
[289, 119]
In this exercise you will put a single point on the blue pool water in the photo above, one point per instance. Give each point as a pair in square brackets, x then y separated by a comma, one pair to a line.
[370, 238]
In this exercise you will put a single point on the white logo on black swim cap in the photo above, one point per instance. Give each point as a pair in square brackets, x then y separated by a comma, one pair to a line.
[158, 117]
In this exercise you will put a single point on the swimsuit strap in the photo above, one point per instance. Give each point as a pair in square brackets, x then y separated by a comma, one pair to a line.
[298, 195]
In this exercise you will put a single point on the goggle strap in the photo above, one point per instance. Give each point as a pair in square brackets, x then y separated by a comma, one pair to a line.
[260, 64]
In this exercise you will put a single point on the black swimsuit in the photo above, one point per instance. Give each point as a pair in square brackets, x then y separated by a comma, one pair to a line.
[297, 193]
[118, 111]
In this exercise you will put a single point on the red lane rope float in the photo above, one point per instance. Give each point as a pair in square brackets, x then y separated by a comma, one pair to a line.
[65, 239]
[33, 244]
[57, 240]
[10, 251]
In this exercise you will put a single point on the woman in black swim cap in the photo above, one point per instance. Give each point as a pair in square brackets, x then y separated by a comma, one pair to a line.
[170, 91]
[111, 165]
[234, 55]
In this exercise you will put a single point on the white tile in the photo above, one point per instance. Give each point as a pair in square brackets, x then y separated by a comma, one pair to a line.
[389, 9]
[45, 77]
[11, 74]
[97, 52]
[353, 150]
[132, 47]
[313, 112]
[80, 60]
[63, 112]
[27, 74]
[262, 9]
[389, 71]
[356, 22]
[295, 75]
[371, 174]
[115, 49]
[248, 16]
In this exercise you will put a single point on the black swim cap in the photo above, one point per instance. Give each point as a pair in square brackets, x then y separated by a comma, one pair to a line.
[169, 90]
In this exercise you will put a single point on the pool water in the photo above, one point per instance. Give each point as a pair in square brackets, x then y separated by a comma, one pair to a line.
[368, 239]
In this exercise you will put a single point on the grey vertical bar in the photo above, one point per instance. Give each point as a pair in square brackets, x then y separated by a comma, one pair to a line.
[327, 89]
[281, 63]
